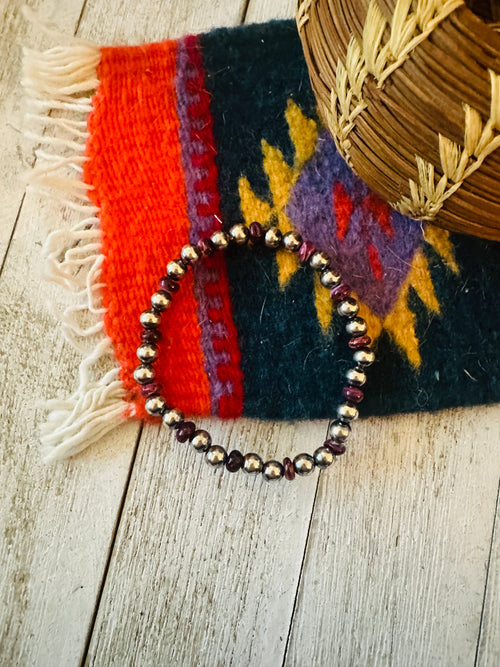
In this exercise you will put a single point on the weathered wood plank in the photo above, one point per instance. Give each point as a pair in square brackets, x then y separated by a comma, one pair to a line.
[488, 650]
[396, 563]
[15, 32]
[265, 10]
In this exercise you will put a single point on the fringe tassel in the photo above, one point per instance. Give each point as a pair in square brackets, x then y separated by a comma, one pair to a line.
[59, 84]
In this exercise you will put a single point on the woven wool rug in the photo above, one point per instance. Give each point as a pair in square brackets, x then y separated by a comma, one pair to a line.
[161, 144]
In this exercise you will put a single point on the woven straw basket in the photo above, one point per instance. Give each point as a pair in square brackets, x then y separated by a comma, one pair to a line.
[410, 89]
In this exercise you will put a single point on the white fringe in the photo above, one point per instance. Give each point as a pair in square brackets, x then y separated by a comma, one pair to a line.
[59, 84]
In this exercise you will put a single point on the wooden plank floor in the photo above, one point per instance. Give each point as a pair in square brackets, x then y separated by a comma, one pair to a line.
[135, 554]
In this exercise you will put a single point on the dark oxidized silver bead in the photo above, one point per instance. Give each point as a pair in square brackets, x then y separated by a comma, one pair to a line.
[272, 471]
[190, 254]
[143, 374]
[201, 440]
[347, 413]
[356, 377]
[340, 431]
[239, 234]
[330, 279]
[303, 464]
[216, 455]
[273, 237]
[172, 417]
[220, 239]
[252, 463]
[292, 241]
[356, 326]
[147, 353]
[150, 319]
[176, 269]
[161, 300]
[319, 261]
[364, 357]
[348, 307]
[155, 405]
[323, 457]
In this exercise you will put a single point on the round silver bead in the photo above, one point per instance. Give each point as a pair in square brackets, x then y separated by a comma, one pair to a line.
[363, 357]
[319, 261]
[150, 319]
[239, 234]
[190, 254]
[176, 269]
[147, 353]
[172, 417]
[144, 374]
[348, 307]
[216, 455]
[220, 239]
[355, 377]
[272, 470]
[155, 405]
[201, 440]
[273, 237]
[252, 463]
[330, 279]
[292, 241]
[347, 412]
[161, 300]
[323, 457]
[356, 327]
[340, 431]
[303, 464]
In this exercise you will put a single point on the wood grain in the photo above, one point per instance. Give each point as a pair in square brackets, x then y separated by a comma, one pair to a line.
[399, 544]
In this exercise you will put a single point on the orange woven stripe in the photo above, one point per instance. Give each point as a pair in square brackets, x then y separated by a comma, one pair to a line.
[136, 173]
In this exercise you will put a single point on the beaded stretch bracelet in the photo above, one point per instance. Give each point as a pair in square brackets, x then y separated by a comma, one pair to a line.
[147, 353]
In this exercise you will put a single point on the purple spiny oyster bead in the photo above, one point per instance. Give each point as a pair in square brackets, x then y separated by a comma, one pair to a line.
[150, 389]
[360, 341]
[256, 232]
[206, 247]
[151, 336]
[353, 394]
[168, 285]
[289, 469]
[337, 448]
[305, 251]
[234, 461]
[185, 430]
[340, 293]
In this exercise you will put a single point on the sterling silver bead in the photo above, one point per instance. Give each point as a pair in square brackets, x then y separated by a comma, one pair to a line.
[356, 327]
[201, 440]
[239, 234]
[272, 470]
[161, 300]
[155, 405]
[303, 464]
[150, 319]
[340, 431]
[172, 417]
[364, 357]
[330, 279]
[319, 261]
[220, 239]
[323, 457]
[273, 237]
[190, 254]
[176, 269]
[348, 307]
[252, 463]
[216, 455]
[347, 412]
[292, 241]
[355, 377]
[144, 374]
[147, 353]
